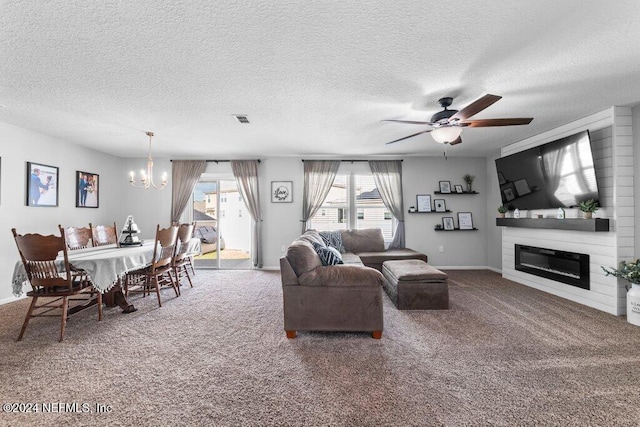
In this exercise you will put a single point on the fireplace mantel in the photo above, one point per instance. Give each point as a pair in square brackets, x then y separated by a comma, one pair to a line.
[594, 224]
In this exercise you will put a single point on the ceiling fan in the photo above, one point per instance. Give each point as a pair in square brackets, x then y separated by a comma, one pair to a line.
[446, 125]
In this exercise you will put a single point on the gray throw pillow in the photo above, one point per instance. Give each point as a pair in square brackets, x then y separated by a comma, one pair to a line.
[333, 239]
[327, 254]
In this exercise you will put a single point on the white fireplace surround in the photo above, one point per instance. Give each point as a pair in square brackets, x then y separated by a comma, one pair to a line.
[612, 142]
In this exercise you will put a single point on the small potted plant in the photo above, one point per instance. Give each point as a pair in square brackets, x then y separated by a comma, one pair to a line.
[629, 271]
[468, 179]
[502, 209]
[588, 207]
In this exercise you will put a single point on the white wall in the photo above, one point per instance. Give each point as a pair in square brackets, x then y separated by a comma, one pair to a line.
[17, 146]
[421, 175]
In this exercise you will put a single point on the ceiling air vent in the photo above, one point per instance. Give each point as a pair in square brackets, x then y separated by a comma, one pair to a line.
[241, 118]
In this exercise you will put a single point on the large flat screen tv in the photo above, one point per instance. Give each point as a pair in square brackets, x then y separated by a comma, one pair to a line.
[556, 174]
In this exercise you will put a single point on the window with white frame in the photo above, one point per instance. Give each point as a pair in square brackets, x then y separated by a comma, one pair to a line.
[353, 203]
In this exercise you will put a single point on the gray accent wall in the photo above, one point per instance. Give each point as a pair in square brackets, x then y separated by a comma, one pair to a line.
[18, 146]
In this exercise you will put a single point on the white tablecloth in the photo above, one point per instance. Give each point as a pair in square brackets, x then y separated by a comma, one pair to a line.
[104, 265]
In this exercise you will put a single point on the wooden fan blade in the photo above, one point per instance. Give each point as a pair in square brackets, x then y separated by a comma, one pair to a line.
[458, 140]
[411, 122]
[475, 107]
[481, 123]
[410, 136]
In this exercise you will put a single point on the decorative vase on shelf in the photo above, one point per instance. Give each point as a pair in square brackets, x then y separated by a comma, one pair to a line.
[587, 215]
[633, 304]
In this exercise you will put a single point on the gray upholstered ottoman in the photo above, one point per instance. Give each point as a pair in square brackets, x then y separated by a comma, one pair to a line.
[415, 285]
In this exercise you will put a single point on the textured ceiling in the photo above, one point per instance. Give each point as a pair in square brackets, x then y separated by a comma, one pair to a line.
[314, 77]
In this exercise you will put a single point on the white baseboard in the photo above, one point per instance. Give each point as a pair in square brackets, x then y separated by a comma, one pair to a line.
[11, 299]
[269, 268]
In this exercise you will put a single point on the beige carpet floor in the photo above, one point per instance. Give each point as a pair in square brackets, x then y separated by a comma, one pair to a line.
[503, 355]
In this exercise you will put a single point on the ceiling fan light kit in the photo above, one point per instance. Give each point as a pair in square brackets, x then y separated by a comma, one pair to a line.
[446, 125]
[445, 135]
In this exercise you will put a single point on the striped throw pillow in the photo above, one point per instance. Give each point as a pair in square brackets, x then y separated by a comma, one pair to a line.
[327, 254]
[333, 239]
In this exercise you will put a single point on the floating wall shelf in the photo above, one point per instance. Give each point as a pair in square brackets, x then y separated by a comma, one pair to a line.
[594, 224]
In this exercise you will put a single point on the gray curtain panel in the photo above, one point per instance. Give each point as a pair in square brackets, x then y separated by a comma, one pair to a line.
[185, 175]
[246, 174]
[318, 179]
[387, 175]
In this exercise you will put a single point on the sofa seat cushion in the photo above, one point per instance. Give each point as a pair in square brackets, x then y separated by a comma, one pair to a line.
[302, 257]
[342, 276]
[375, 259]
[364, 240]
[413, 270]
[351, 258]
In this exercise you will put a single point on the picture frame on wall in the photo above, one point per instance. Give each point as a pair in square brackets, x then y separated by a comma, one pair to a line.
[447, 223]
[459, 189]
[445, 186]
[439, 205]
[281, 191]
[423, 202]
[465, 221]
[42, 185]
[87, 186]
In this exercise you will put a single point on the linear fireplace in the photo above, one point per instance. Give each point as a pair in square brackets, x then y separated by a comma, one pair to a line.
[566, 267]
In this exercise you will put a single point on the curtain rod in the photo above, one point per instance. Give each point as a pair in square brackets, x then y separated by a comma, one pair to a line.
[224, 161]
[350, 160]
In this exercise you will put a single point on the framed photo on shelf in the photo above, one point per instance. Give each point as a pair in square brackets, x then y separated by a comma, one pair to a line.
[439, 205]
[86, 189]
[522, 187]
[423, 202]
[459, 189]
[447, 223]
[42, 185]
[281, 191]
[465, 221]
[445, 186]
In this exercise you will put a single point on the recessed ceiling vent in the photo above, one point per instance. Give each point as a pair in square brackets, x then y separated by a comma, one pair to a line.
[241, 118]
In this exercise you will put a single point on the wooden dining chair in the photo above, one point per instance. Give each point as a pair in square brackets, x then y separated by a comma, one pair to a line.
[59, 284]
[159, 273]
[102, 235]
[181, 258]
[78, 237]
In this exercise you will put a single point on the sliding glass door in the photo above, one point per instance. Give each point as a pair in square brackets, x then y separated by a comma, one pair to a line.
[222, 224]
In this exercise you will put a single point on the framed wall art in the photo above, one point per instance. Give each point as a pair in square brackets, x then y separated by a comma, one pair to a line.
[423, 202]
[458, 188]
[281, 191]
[439, 205]
[445, 186]
[87, 189]
[42, 185]
[465, 221]
[447, 223]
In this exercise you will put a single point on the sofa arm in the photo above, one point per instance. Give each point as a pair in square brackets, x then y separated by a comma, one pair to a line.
[342, 275]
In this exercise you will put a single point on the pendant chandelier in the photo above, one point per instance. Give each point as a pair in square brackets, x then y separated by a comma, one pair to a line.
[146, 178]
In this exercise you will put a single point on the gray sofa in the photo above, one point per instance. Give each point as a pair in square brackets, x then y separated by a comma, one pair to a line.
[344, 297]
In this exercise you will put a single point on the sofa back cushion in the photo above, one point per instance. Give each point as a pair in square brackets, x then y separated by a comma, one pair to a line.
[365, 240]
[302, 257]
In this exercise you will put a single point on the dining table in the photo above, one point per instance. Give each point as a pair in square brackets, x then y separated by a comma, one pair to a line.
[105, 267]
